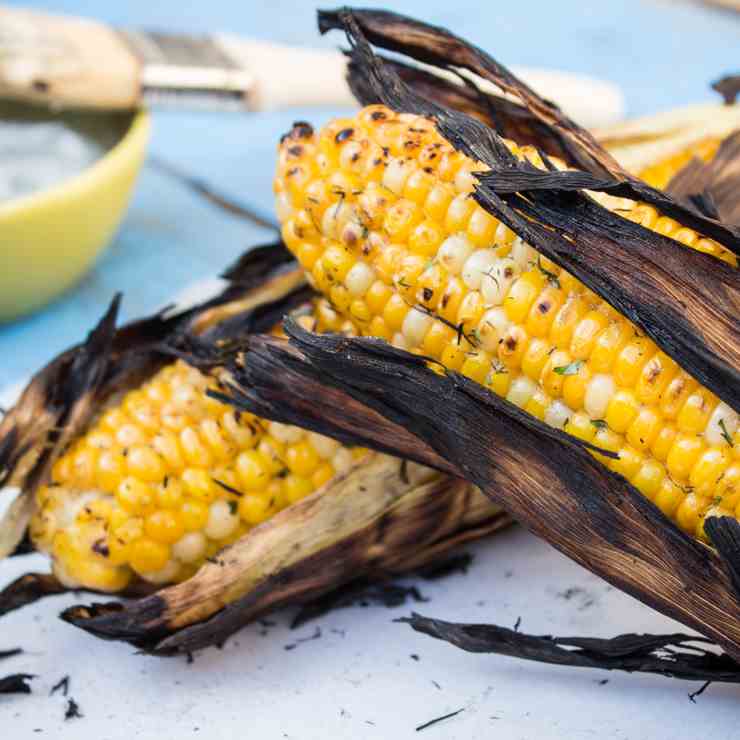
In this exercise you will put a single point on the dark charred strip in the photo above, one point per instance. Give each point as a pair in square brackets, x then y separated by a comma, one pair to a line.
[728, 87]
[16, 684]
[674, 656]
[32, 587]
[724, 532]
[384, 397]
[252, 266]
[439, 47]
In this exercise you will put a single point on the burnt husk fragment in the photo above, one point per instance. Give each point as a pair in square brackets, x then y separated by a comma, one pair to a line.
[728, 87]
[16, 683]
[675, 656]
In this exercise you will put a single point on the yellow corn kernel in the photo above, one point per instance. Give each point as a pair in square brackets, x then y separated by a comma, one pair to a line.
[622, 411]
[585, 334]
[476, 366]
[649, 478]
[543, 311]
[565, 321]
[683, 455]
[581, 426]
[695, 413]
[522, 294]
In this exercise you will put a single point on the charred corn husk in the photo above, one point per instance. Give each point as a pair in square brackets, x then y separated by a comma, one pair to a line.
[376, 209]
[167, 476]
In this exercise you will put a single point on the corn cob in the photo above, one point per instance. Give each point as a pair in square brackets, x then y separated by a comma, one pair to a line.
[168, 476]
[376, 209]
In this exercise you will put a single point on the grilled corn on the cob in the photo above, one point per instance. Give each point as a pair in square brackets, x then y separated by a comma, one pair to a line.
[376, 209]
[168, 476]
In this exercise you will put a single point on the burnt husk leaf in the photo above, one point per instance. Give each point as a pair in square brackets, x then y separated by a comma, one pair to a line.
[27, 589]
[686, 301]
[383, 397]
[675, 656]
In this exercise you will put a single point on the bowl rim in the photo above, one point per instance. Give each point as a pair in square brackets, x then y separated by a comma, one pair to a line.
[134, 138]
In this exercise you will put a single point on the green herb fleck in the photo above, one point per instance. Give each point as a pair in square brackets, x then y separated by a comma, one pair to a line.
[599, 423]
[569, 369]
[725, 433]
[552, 278]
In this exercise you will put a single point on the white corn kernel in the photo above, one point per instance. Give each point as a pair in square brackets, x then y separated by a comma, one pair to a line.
[476, 266]
[285, 433]
[464, 180]
[453, 252]
[222, 520]
[722, 423]
[325, 446]
[599, 392]
[190, 547]
[359, 278]
[342, 460]
[521, 390]
[415, 327]
[396, 174]
[523, 254]
[492, 326]
[497, 281]
[557, 414]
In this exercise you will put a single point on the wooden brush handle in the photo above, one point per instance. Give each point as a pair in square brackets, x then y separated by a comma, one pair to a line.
[71, 62]
[65, 61]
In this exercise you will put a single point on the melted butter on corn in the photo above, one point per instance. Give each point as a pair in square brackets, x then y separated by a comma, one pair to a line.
[377, 210]
[169, 476]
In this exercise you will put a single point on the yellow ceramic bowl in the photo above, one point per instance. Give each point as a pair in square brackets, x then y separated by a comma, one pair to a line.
[49, 238]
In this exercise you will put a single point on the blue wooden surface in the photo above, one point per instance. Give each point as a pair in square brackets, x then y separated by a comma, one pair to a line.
[662, 54]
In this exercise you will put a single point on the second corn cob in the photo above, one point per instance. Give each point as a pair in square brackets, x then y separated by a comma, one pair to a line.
[376, 209]
[167, 476]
